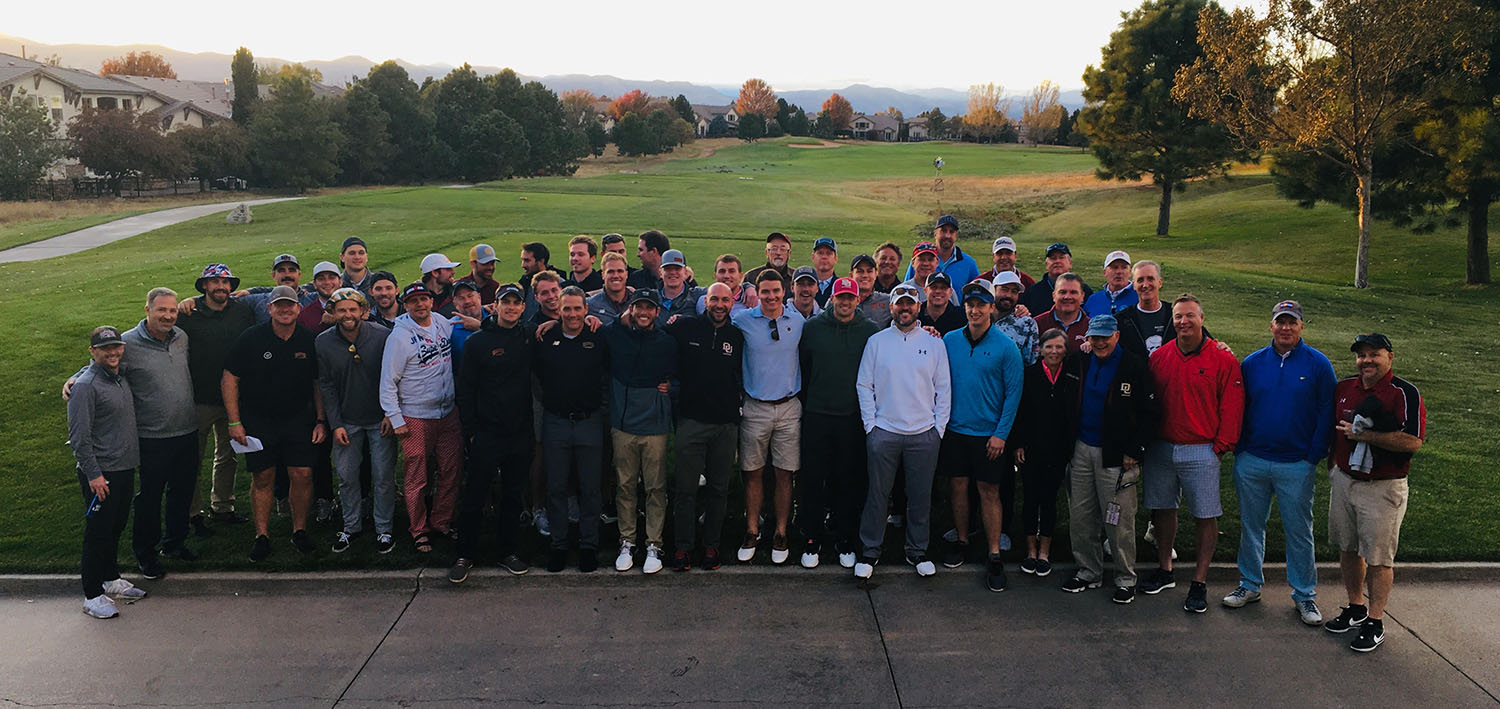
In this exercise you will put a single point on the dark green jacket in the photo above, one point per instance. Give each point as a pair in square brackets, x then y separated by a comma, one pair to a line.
[830, 352]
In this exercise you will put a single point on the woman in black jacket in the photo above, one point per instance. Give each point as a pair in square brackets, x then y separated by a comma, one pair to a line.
[1045, 446]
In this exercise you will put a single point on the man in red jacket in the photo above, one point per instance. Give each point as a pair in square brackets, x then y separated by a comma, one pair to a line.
[1202, 399]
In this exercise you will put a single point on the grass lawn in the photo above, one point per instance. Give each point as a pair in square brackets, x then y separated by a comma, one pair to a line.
[1235, 244]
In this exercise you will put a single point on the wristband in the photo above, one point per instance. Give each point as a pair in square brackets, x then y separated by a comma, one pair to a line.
[232, 424]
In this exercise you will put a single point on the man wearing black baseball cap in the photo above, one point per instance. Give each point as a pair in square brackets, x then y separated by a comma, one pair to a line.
[778, 251]
[804, 296]
[960, 267]
[825, 261]
[873, 304]
[1038, 297]
[354, 257]
[939, 311]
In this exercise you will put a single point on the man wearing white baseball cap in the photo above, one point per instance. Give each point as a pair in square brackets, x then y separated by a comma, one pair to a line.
[1004, 254]
[1117, 293]
[1008, 287]
[437, 275]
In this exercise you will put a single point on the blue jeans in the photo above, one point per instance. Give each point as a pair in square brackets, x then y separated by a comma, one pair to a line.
[1256, 480]
[346, 460]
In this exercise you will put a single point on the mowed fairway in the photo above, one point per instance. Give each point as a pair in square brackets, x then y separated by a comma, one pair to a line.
[1235, 243]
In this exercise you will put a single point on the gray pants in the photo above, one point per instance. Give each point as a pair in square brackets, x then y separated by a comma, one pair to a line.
[568, 446]
[1091, 487]
[888, 452]
[346, 460]
[705, 449]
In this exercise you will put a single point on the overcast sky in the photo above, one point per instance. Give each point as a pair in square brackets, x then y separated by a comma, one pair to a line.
[910, 44]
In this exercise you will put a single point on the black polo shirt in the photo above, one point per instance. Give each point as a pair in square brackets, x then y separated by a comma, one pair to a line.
[590, 283]
[953, 318]
[571, 371]
[276, 375]
[709, 369]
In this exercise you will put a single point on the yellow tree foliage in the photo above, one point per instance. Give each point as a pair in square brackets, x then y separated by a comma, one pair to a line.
[985, 115]
[1039, 120]
[756, 97]
[578, 106]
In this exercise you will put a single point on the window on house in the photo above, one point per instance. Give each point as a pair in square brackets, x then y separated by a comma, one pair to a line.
[107, 103]
[57, 115]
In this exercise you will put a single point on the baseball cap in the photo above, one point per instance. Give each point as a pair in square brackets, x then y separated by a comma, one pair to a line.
[285, 258]
[1287, 307]
[647, 295]
[349, 294]
[280, 293]
[978, 289]
[1003, 243]
[1059, 246]
[418, 288]
[925, 247]
[1006, 277]
[947, 220]
[379, 276]
[104, 337]
[326, 267]
[776, 235]
[432, 262]
[483, 253]
[866, 259]
[905, 291]
[509, 290]
[351, 241]
[1373, 339]
[938, 277]
[1117, 256]
[610, 238]
[465, 285]
[804, 272]
[216, 270]
[673, 257]
[1102, 325]
[845, 285]
[824, 242]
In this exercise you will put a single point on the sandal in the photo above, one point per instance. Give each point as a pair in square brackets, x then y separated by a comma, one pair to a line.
[423, 544]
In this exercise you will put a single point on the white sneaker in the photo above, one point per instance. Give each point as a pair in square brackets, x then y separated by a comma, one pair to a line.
[899, 521]
[539, 518]
[863, 570]
[702, 481]
[810, 561]
[626, 559]
[924, 566]
[1240, 596]
[779, 556]
[1150, 537]
[653, 559]
[747, 548]
[1309, 612]
[100, 606]
[123, 589]
[847, 559]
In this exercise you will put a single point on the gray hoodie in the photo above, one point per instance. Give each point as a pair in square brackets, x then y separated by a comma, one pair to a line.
[350, 387]
[416, 370]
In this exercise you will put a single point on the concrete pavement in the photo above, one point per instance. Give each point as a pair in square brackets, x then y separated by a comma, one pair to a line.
[88, 238]
[773, 636]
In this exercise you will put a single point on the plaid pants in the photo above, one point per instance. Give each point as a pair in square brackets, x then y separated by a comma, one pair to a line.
[443, 439]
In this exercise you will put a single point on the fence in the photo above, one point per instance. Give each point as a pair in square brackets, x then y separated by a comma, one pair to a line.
[93, 187]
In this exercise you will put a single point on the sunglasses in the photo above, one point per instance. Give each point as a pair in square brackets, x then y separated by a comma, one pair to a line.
[775, 332]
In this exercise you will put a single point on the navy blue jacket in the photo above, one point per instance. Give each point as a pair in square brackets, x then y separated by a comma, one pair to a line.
[1288, 404]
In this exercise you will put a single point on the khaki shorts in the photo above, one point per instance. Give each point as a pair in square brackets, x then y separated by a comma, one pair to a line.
[1365, 516]
[774, 426]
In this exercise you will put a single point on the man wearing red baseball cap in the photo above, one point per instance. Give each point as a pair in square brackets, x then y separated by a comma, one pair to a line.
[924, 263]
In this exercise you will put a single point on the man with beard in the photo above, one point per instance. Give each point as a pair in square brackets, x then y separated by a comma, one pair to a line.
[582, 251]
[1021, 329]
[494, 403]
[535, 258]
[349, 356]
[650, 247]
[466, 302]
[386, 306]
[709, 360]
[1004, 250]
[212, 327]
[888, 267]
[482, 263]
[960, 267]
[778, 251]
[317, 318]
[437, 276]
[1067, 311]
[873, 303]
[833, 470]
[1117, 293]
[271, 393]
[285, 271]
[610, 303]
[354, 257]
[1037, 297]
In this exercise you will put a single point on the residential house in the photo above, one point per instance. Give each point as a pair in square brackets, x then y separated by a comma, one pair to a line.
[705, 115]
[179, 103]
[916, 129]
[875, 126]
[602, 114]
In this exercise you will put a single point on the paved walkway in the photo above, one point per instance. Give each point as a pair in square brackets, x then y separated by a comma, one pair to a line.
[783, 636]
[85, 239]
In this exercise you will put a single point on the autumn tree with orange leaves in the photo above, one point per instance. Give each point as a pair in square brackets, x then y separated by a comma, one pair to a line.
[756, 97]
[138, 64]
[634, 101]
[838, 111]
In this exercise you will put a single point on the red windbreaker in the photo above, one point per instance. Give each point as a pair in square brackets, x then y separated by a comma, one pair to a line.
[1202, 395]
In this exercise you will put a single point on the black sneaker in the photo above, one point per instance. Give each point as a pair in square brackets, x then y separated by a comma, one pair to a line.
[994, 575]
[1078, 585]
[1371, 634]
[682, 560]
[152, 569]
[710, 559]
[302, 541]
[341, 544]
[513, 564]
[957, 552]
[260, 549]
[230, 517]
[1123, 595]
[181, 552]
[1159, 580]
[1348, 617]
[588, 560]
[1197, 598]
[459, 572]
[200, 527]
[557, 560]
[1043, 567]
[384, 543]
[1028, 565]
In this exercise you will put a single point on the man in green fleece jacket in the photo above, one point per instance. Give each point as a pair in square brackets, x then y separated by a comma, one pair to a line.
[833, 471]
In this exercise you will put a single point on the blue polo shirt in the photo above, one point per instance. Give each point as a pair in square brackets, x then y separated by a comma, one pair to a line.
[771, 366]
[960, 267]
[1288, 404]
[1098, 375]
[1102, 302]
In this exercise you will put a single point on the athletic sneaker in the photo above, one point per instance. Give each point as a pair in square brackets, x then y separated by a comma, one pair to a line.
[1197, 598]
[557, 560]
[924, 566]
[459, 572]
[626, 560]
[811, 551]
[259, 550]
[513, 564]
[1159, 580]
[123, 589]
[152, 570]
[747, 547]
[1348, 617]
[1241, 596]
[710, 559]
[846, 554]
[539, 518]
[957, 552]
[1123, 594]
[384, 543]
[682, 560]
[588, 560]
[994, 575]
[1371, 634]
[1028, 565]
[1078, 585]
[100, 606]
[1043, 567]
[341, 544]
[302, 541]
[780, 550]
[653, 559]
[1309, 611]
[865, 568]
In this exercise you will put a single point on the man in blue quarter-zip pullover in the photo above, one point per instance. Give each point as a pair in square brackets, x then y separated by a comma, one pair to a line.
[986, 373]
[1288, 416]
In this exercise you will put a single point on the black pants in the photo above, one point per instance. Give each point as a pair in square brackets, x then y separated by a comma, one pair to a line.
[509, 455]
[572, 447]
[102, 530]
[705, 449]
[1007, 492]
[833, 476]
[169, 466]
[1040, 480]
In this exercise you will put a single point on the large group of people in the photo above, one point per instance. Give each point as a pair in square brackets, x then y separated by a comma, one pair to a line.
[840, 395]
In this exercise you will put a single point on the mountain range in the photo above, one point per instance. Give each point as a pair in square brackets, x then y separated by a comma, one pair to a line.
[214, 66]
